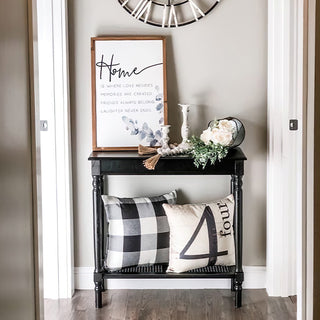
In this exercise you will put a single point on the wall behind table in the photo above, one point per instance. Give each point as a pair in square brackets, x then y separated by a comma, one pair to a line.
[219, 64]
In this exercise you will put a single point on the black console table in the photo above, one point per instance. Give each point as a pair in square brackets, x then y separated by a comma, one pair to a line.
[130, 163]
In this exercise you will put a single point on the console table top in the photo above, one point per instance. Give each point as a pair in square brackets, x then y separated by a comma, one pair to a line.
[131, 163]
[234, 154]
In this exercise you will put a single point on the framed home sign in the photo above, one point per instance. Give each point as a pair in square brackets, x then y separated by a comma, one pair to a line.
[129, 92]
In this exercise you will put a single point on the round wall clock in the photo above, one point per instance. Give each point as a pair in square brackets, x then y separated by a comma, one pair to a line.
[168, 13]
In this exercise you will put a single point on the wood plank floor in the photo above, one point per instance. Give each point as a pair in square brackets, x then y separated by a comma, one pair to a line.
[171, 304]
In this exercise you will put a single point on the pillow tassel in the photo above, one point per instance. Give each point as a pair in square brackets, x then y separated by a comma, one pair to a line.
[143, 150]
[151, 163]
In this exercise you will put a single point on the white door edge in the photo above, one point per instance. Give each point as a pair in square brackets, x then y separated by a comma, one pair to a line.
[57, 211]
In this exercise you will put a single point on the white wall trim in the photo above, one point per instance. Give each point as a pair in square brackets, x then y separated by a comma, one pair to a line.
[57, 211]
[255, 278]
[63, 148]
[286, 100]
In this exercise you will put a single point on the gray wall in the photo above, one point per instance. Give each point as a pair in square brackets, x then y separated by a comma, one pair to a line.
[16, 243]
[219, 64]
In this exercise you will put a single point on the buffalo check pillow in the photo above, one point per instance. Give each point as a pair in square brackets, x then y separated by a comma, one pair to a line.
[138, 230]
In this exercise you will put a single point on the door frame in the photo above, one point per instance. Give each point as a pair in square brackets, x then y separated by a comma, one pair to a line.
[308, 172]
[290, 212]
[57, 82]
[313, 173]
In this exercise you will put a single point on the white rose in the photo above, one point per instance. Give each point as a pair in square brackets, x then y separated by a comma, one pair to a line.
[222, 137]
[227, 125]
[207, 136]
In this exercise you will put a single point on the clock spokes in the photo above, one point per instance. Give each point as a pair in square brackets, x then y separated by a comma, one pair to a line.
[168, 13]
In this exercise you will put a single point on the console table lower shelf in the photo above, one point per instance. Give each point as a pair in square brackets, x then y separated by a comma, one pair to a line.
[129, 163]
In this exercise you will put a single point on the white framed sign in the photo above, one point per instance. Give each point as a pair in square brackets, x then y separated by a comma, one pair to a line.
[129, 92]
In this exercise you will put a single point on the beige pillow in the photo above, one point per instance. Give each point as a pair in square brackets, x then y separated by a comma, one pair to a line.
[200, 234]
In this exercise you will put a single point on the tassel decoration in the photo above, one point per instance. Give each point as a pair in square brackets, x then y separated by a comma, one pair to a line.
[151, 163]
[143, 150]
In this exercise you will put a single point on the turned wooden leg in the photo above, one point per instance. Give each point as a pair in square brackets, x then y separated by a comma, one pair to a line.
[98, 289]
[233, 284]
[238, 303]
[236, 186]
[238, 289]
[98, 235]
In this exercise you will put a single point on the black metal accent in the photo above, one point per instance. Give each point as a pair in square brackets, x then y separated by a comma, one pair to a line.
[126, 163]
[293, 124]
[239, 130]
[156, 24]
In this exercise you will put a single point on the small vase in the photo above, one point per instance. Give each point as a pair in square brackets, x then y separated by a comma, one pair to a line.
[239, 133]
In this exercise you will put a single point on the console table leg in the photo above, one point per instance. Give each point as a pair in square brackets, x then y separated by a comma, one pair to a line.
[237, 193]
[237, 281]
[238, 302]
[98, 288]
[102, 248]
[233, 284]
[98, 238]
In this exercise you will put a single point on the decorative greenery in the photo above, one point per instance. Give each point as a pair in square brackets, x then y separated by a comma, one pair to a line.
[203, 153]
[214, 142]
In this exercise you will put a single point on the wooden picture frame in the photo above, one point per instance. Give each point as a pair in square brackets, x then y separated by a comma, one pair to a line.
[129, 92]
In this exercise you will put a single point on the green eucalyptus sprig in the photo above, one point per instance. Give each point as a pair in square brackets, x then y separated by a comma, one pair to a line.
[203, 153]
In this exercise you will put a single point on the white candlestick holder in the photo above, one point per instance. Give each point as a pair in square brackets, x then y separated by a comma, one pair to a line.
[184, 145]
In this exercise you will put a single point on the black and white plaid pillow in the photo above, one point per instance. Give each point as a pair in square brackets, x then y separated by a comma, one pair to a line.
[138, 230]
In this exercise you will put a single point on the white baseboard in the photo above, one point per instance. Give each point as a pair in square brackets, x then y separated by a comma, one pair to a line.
[255, 278]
